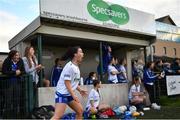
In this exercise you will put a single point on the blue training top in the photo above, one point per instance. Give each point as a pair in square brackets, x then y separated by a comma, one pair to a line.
[149, 76]
[56, 72]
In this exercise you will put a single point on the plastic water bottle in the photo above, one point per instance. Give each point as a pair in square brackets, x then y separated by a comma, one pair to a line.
[81, 81]
[93, 116]
[142, 113]
[128, 115]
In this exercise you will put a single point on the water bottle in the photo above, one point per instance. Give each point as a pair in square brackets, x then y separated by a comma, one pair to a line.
[128, 115]
[81, 81]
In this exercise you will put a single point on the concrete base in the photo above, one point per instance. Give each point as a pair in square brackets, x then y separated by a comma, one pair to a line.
[112, 94]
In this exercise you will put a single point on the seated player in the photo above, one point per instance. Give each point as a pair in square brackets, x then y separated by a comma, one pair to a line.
[137, 93]
[93, 105]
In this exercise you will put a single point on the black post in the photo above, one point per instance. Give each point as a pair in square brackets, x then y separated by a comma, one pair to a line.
[101, 61]
[145, 56]
[39, 48]
[31, 96]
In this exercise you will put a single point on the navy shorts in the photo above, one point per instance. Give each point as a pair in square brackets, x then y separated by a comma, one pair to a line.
[63, 98]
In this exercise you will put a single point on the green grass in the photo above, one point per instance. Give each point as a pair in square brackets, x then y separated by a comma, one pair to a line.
[164, 113]
[173, 101]
[170, 109]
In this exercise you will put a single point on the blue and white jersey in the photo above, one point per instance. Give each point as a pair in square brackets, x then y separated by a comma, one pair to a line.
[149, 77]
[70, 72]
[55, 75]
[95, 97]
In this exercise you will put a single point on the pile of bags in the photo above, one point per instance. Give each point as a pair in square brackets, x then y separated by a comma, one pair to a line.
[43, 112]
[127, 112]
[119, 112]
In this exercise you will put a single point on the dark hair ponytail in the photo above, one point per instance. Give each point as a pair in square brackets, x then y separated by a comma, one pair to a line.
[70, 53]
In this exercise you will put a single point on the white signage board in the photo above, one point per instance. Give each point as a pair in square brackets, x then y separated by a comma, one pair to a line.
[173, 85]
[99, 13]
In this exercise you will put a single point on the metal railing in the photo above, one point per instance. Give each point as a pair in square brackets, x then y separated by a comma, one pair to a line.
[17, 98]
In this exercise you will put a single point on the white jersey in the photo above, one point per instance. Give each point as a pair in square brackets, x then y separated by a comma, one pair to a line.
[111, 77]
[93, 95]
[123, 69]
[70, 72]
[133, 89]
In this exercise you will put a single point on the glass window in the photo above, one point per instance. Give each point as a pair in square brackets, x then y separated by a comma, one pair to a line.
[167, 32]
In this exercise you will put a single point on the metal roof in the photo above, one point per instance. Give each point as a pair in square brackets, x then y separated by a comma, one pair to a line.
[63, 28]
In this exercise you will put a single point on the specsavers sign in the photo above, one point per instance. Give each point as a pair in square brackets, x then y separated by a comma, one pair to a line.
[98, 13]
[101, 11]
